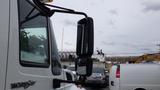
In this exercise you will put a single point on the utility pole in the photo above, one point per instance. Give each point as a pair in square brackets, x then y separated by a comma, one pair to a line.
[158, 48]
[62, 40]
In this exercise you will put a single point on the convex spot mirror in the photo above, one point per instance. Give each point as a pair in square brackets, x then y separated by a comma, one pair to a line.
[84, 66]
[85, 37]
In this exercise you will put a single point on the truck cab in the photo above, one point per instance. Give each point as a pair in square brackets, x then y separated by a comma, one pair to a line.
[28, 51]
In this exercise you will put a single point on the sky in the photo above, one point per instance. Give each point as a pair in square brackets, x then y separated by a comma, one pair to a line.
[121, 27]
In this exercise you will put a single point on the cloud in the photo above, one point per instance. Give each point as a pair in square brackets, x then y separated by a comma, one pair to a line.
[108, 43]
[121, 36]
[96, 2]
[68, 44]
[145, 49]
[113, 12]
[100, 31]
[151, 6]
[111, 22]
[102, 1]
[129, 45]
[69, 23]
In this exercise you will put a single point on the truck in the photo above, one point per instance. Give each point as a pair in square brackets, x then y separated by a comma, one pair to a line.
[29, 57]
[135, 77]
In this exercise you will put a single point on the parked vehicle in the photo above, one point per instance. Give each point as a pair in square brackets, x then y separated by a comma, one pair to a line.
[72, 68]
[98, 78]
[29, 57]
[69, 75]
[135, 77]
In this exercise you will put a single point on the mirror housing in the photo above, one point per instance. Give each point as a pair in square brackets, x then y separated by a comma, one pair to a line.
[85, 37]
[85, 46]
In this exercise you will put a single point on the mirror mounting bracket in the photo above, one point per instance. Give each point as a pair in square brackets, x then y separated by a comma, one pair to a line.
[65, 10]
[45, 11]
[42, 7]
[69, 12]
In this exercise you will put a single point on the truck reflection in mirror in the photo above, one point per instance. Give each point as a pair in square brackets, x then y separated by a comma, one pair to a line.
[81, 70]
[84, 66]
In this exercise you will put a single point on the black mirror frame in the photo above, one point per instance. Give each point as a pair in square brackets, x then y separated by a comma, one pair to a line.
[85, 48]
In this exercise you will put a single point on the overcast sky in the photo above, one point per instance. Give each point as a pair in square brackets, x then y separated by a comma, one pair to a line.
[122, 27]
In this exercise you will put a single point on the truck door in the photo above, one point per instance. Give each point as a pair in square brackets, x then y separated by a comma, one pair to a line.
[29, 59]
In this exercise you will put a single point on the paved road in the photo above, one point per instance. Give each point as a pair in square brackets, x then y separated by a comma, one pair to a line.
[96, 89]
[76, 88]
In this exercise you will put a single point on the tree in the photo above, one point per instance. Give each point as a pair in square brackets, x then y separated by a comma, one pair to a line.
[24, 41]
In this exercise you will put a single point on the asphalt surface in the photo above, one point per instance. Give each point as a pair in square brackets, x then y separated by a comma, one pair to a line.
[87, 88]
[74, 87]
[96, 88]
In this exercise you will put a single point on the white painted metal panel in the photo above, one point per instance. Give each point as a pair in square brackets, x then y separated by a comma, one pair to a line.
[145, 76]
[113, 81]
[16, 73]
[4, 28]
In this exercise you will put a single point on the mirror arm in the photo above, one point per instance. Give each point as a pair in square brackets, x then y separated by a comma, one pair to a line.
[69, 12]
[47, 12]
[58, 7]
[65, 10]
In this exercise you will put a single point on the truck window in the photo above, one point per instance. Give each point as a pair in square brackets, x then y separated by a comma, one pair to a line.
[34, 49]
[56, 64]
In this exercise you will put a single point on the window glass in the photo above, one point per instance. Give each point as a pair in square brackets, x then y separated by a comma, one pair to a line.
[34, 45]
[56, 64]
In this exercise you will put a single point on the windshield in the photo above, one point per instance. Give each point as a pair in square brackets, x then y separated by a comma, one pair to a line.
[56, 64]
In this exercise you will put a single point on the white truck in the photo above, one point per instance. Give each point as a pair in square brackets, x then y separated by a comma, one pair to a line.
[28, 54]
[135, 77]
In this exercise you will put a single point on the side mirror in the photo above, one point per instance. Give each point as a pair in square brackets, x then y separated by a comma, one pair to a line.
[85, 46]
[85, 37]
